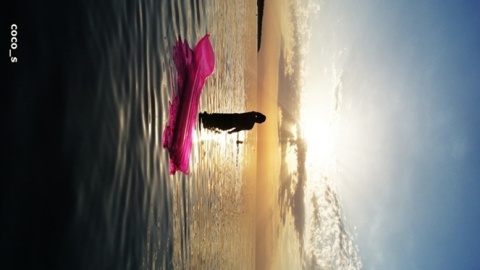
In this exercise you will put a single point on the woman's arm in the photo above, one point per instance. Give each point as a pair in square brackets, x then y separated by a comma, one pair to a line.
[237, 129]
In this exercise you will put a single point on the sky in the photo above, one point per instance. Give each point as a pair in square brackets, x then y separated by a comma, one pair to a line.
[395, 87]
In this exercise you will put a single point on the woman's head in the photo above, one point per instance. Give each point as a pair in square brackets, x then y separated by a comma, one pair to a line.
[260, 118]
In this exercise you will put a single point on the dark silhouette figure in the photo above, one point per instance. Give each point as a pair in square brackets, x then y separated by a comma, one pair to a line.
[234, 122]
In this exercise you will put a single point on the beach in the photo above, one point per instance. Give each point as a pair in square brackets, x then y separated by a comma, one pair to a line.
[267, 139]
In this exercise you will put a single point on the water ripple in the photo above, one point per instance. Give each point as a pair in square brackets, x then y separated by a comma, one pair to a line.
[130, 212]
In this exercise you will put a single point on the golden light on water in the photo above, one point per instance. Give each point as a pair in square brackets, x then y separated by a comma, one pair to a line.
[230, 147]
[220, 138]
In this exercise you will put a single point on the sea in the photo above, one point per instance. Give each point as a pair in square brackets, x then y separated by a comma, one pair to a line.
[130, 213]
[86, 107]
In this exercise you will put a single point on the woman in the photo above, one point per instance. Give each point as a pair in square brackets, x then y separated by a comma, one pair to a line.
[234, 122]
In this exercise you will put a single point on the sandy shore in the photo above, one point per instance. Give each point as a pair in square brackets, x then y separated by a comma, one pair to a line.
[261, 145]
[250, 144]
[267, 139]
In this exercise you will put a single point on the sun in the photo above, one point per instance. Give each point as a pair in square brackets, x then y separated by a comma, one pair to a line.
[320, 133]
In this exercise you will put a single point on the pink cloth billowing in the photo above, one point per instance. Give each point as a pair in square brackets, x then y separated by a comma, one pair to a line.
[193, 68]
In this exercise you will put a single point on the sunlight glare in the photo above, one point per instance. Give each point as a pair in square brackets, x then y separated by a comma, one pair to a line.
[319, 133]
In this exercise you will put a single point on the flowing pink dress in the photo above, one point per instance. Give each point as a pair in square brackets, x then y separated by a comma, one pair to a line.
[193, 68]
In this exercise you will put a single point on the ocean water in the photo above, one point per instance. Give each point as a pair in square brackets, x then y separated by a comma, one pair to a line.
[129, 213]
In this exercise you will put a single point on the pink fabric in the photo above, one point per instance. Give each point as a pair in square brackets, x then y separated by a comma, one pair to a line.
[193, 68]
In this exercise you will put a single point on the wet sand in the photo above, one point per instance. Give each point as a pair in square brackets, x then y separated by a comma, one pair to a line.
[262, 162]
[268, 163]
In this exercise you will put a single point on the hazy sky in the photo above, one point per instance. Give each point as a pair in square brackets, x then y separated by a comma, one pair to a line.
[399, 80]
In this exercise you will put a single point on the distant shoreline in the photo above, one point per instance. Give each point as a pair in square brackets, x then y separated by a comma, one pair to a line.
[260, 5]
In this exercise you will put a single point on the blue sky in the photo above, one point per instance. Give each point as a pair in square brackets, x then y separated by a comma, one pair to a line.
[406, 77]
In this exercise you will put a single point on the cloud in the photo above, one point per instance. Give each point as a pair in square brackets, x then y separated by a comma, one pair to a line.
[318, 220]
[330, 243]
[325, 241]
[296, 33]
[292, 184]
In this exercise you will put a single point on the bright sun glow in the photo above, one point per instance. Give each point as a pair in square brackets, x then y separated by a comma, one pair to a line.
[319, 131]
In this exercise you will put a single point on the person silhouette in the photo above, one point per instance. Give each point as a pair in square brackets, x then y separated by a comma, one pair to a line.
[233, 122]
